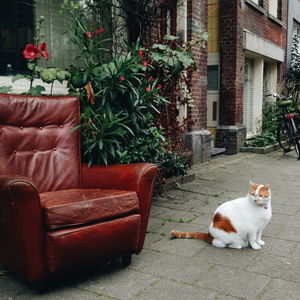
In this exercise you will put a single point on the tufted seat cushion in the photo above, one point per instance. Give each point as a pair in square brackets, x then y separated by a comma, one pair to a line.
[81, 206]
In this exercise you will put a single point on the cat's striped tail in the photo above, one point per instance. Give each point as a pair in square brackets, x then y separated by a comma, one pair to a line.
[206, 237]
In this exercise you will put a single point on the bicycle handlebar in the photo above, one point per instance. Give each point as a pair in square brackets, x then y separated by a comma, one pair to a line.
[278, 96]
[273, 95]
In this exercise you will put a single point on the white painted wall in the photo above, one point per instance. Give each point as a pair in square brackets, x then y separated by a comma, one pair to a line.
[22, 86]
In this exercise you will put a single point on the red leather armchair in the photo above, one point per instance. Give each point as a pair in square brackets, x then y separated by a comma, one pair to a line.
[57, 215]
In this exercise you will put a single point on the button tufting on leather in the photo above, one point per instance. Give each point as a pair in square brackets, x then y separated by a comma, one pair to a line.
[61, 126]
[15, 151]
[41, 128]
[54, 149]
[35, 151]
[21, 127]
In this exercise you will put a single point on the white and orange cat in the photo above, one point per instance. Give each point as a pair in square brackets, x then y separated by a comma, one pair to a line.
[238, 222]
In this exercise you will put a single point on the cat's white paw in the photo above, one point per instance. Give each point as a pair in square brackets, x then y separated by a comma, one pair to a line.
[256, 246]
[261, 243]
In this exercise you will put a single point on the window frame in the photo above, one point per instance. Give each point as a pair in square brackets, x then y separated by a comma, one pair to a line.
[168, 6]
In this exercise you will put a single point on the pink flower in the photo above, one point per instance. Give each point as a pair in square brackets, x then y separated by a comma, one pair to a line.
[145, 63]
[43, 51]
[100, 30]
[88, 34]
[150, 79]
[140, 53]
[31, 52]
[148, 89]
[122, 78]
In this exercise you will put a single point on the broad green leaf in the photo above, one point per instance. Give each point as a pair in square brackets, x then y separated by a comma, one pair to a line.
[5, 89]
[171, 37]
[36, 91]
[18, 77]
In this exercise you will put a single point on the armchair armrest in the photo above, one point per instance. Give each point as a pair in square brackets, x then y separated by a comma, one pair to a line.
[21, 227]
[133, 177]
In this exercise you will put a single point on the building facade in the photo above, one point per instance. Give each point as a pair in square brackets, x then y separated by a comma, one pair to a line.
[246, 60]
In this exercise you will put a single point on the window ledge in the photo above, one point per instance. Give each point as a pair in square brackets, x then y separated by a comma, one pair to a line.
[257, 7]
[276, 20]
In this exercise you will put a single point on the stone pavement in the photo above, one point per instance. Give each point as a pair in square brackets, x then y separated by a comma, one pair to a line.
[191, 269]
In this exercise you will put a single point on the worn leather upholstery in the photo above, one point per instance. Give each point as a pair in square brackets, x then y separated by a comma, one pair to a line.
[78, 207]
[57, 215]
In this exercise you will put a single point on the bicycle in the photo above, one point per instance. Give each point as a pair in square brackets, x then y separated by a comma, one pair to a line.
[288, 130]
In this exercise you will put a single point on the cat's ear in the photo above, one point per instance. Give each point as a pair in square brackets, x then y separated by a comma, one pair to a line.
[251, 183]
[267, 186]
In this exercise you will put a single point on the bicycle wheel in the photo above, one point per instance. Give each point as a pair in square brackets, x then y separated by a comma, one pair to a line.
[297, 146]
[284, 137]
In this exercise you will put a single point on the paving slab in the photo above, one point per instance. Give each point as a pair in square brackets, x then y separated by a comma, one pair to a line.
[285, 268]
[281, 289]
[178, 268]
[228, 257]
[234, 282]
[170, 290]
[121, 284]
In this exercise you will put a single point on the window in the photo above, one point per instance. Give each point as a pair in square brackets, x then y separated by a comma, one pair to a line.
[213, 25]
[16, 30]
[18, 19]
[212, 78]
[168, 18]
[259, 2]
[273, 8]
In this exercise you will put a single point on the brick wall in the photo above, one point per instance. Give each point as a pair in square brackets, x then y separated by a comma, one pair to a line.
[230, 56]
[197, 20]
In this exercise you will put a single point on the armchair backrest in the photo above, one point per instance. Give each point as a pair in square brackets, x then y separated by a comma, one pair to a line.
[36, 142]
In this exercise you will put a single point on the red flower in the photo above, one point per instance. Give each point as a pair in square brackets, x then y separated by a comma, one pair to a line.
[159, 86]
[145, 63]
[148, 89]
[43, 51]
[140, 53]
[122, 78]
[88, 34]
[150, 79]
[30, 52]
[100, 30]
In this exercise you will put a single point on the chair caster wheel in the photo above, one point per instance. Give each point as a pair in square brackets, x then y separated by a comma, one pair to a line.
[126, 260]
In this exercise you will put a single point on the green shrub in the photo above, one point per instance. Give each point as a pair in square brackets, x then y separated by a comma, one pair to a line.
[121, 101]
[269, 123]
[262, 140]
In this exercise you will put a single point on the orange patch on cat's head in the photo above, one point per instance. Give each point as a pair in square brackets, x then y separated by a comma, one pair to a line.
[253, 187]
[264, 191]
